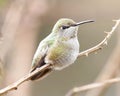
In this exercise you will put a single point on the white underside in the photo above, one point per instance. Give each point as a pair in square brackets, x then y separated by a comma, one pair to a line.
[69, 56]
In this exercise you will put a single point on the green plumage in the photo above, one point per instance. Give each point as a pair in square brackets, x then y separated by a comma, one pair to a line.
[60, 48]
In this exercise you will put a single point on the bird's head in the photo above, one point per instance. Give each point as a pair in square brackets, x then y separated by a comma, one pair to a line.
[67, 27]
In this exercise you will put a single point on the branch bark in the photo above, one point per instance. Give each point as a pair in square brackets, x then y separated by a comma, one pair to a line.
[15, 85]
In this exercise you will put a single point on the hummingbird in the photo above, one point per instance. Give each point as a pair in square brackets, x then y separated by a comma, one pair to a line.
[60, 48]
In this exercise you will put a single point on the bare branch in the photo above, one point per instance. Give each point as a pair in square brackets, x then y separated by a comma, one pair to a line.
[109, 70]
[15, 85]
[91, 86]
[101, 44]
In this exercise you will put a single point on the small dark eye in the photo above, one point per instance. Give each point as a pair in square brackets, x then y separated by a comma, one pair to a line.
[65, 27]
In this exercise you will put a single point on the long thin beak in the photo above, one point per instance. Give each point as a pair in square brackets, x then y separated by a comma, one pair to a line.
[82, 22]
[77, 24]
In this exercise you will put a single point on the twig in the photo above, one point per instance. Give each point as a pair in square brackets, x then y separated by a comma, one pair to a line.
[15, 85]
[109, 70]
[94, 49]
[91, 86]
[101, 44]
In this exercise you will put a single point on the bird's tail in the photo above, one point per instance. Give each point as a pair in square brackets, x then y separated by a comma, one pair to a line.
[41, 74]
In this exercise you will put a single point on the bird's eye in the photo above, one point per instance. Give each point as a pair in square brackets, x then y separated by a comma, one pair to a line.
[64, 27]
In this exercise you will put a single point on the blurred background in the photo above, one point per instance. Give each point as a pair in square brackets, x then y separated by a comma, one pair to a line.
[24, 23]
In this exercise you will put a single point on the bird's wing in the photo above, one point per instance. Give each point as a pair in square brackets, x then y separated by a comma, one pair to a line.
[41, 53]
